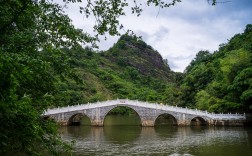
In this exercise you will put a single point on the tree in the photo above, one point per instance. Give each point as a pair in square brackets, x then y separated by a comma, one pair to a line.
[243, 87]
[198, 74]
[31, 34]
[201, 57]
[202, 99]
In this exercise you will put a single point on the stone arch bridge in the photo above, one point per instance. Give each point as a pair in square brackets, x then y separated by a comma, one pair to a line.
[148, 113]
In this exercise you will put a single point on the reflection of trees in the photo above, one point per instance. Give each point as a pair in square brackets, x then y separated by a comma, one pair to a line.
[121, 134]
[75, 131]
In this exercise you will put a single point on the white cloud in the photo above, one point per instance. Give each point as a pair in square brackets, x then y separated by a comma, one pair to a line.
[178, 32]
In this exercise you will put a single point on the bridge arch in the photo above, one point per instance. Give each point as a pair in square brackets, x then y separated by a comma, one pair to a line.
[127, 106]
[75, 119]
[163, 118]
[198, 121]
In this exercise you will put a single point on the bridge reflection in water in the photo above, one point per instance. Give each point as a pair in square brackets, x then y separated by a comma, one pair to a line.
[160, 140]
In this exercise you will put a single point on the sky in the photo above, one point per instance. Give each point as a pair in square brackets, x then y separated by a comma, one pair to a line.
[179, 32]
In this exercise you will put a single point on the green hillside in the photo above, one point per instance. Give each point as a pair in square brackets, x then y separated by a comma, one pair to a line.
[130, 69]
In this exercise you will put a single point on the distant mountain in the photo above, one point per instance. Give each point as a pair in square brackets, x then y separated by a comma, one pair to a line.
[130, 69]
[130, 51]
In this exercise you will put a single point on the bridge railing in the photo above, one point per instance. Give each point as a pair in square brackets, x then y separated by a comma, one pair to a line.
[189, 111]
[145, 105]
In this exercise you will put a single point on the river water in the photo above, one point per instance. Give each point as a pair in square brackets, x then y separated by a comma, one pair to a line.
[123, 136]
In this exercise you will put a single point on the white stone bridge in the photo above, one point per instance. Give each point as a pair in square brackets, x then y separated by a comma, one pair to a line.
[148, 113]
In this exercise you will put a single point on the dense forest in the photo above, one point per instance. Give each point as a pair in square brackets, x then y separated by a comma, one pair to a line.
[222, 81]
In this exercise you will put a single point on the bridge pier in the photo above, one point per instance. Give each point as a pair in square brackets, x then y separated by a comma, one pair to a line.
[148, 123]
[183, 119]
[183, 122]
[63, 123]
[97, 123]
[96, 116]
